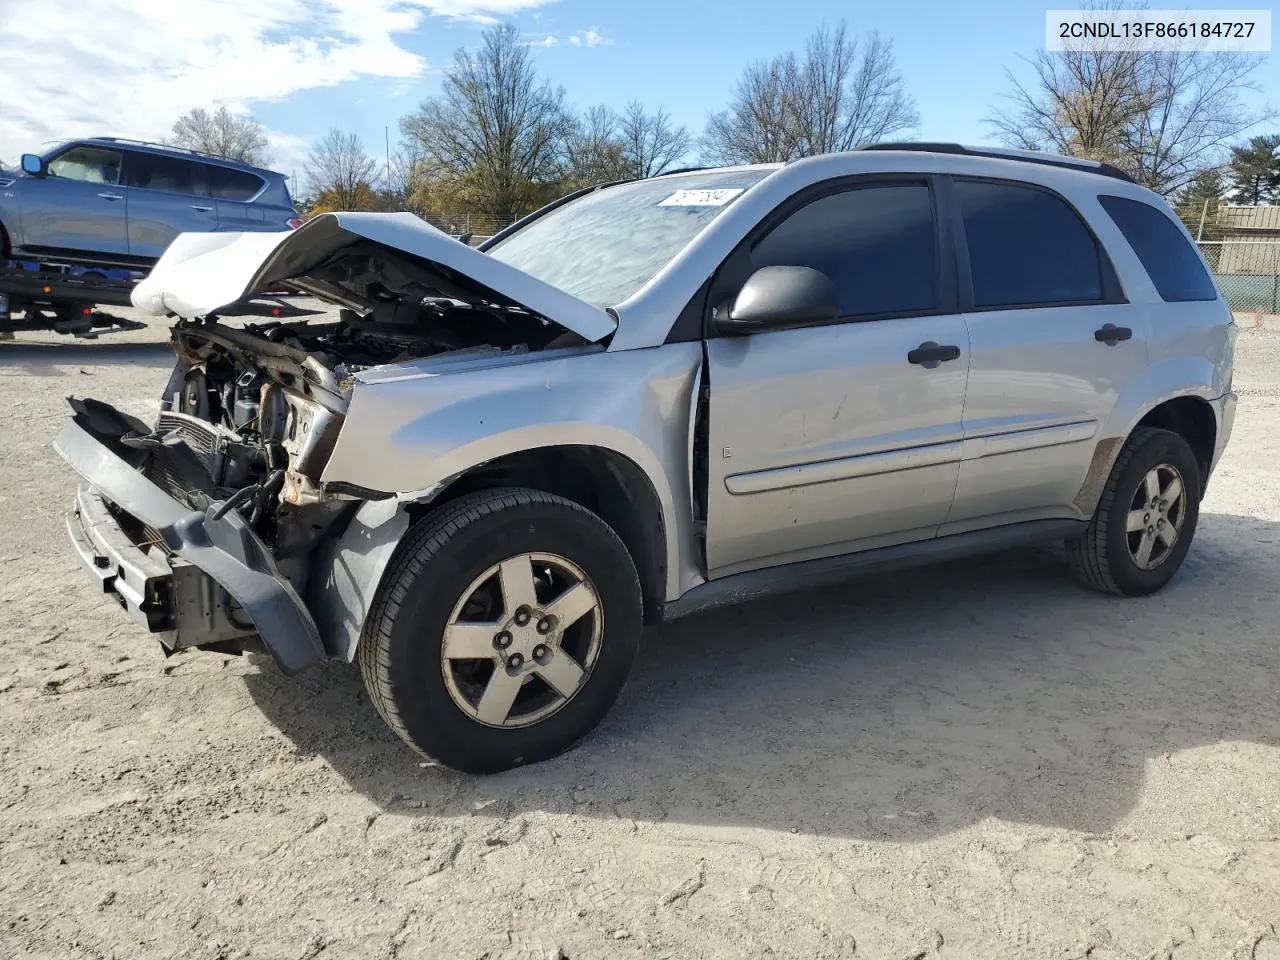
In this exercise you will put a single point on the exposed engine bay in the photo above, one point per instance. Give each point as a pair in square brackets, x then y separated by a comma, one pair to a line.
[251, 415]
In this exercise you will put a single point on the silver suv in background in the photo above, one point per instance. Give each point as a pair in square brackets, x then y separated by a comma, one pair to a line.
[497, 464]
[121, 202]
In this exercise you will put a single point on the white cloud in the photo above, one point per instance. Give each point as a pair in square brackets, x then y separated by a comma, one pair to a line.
[591, 37]
[131, 67]
[288, 154]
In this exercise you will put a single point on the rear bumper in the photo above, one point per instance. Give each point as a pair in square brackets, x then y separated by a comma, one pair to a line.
[203, 581]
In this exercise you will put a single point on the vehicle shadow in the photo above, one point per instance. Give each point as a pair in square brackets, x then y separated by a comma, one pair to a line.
[889, 707]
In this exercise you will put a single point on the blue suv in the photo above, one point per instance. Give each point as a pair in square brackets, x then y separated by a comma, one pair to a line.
[121, 202]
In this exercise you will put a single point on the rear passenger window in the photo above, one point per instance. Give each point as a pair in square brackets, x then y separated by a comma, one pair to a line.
[1026, 247]
[1166, 255]
[153, 172]
[227, 184]
[875, 243]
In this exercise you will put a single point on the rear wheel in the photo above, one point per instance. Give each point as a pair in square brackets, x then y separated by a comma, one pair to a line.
[503, 631]
[1145, 520]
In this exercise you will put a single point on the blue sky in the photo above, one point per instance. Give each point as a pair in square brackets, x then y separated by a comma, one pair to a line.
[687, 54]
[302, 66]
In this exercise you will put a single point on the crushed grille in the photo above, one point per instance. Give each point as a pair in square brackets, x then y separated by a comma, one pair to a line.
[189, 460]
[202, 439]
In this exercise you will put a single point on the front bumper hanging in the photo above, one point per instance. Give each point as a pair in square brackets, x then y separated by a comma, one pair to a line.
[198, 581]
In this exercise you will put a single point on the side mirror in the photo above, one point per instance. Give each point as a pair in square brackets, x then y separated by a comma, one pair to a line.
[780, 297]
[33, 165]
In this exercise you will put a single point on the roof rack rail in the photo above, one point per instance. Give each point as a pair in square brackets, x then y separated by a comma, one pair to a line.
[669, 173]
[998, 153]
[165, 146]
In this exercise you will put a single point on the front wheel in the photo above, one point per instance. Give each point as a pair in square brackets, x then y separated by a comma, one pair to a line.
[1145, 520]
[503, 631]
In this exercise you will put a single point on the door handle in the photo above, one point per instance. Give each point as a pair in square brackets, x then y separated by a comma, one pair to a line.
[1110, 334]
[111, 196]
[196, 206]
[930, 354]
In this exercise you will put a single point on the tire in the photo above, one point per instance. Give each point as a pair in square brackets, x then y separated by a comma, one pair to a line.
[429, 605]
[1108, 556]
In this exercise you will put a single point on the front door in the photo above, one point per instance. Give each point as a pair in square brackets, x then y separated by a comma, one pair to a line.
[79, 206]
[842, 436]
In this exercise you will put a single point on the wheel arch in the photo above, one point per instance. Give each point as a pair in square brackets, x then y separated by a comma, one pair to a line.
[1191, 417]
[1189, 414]
[604, 481]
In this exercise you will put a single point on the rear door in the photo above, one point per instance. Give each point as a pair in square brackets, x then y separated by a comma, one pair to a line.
[79, 206]
[167, 196]
[830, 438]
[1039, 293]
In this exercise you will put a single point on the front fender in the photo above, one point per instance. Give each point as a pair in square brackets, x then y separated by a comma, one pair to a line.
[408, 434]
[9, 235]
[348, 571]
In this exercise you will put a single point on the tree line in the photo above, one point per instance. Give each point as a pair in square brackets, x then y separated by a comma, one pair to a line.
[499, 139]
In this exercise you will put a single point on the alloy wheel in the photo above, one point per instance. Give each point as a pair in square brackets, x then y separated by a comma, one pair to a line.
[1156, 515]
[522, 640]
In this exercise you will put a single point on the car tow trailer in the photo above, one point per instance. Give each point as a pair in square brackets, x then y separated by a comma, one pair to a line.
[63, 297]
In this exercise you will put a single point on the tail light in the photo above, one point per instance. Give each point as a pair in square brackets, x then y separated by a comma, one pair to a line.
[295, 223]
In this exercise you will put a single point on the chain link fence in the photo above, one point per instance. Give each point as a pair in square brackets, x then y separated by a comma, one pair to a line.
[1247, 272]
[480, 228]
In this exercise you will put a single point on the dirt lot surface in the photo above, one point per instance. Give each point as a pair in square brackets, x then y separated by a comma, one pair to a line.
[974, 761]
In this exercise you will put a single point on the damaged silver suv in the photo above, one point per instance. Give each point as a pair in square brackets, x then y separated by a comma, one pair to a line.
[646, 399]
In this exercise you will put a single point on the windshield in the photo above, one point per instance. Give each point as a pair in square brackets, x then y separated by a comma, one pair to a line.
[603, 247]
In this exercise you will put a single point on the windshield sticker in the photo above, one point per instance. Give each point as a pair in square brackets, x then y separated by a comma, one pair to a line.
[701, 198]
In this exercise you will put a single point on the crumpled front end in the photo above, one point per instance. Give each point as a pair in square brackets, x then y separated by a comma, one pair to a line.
[195, 577]
[218, 524]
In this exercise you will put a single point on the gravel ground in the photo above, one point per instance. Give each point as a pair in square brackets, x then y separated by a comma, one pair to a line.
[973, 761]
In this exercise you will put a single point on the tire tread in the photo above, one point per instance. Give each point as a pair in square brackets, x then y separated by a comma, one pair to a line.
[424, 541]
[1087, 554]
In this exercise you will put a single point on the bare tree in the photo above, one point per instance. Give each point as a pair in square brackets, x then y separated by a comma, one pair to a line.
[594, 153]
[844, 93]
[1079, 104]
[339, 172]
[222, 134]
[496, 127]
[650, 141]
[757, 127]
[850, 92]
[1161, 116]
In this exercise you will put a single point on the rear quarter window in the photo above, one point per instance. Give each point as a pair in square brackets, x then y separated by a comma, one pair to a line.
[228, 184]
[1168, 257]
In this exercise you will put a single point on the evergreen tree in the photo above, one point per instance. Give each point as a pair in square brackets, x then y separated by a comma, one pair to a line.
[1200, 201]
[1255, 170]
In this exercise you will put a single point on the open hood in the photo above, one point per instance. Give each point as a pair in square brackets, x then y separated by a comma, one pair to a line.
[348, 258]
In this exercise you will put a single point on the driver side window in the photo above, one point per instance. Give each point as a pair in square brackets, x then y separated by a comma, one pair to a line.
[91, 164]
[876, 243]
